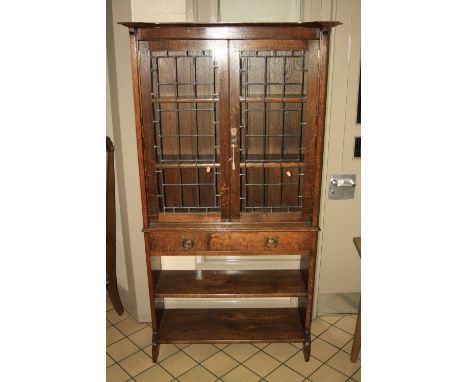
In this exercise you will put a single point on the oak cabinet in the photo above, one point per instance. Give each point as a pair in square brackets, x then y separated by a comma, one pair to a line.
[229, 122]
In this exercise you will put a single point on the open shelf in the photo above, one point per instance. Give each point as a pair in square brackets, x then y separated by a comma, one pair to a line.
[230, 284]
[230, 325]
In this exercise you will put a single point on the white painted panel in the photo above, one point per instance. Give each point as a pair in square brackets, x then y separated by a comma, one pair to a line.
[260, 10]
[158, 11]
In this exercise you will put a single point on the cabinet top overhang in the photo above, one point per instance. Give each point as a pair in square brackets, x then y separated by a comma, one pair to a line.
[229, 31]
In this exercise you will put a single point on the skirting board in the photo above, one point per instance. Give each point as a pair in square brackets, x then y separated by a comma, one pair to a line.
[336, 303]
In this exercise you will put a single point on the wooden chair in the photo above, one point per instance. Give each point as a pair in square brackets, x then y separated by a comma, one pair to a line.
[111, 282]
[357, 331]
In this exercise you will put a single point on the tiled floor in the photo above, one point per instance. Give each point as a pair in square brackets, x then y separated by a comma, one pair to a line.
[129, 351]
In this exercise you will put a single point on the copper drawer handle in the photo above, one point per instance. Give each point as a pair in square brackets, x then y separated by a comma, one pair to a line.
[271, 242]
[188, 242]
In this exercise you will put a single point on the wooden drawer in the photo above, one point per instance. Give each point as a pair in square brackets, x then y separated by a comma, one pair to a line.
[268, 242]
[190, 241]
[284, 242]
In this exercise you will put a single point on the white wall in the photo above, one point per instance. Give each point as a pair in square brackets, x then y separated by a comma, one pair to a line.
[135, 299]
[121, 268]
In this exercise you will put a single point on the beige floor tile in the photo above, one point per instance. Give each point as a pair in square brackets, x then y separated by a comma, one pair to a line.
[322, 350]
[281, 351]
[220, 364]
[347, 323]
[327, 374]
[336, 337]
[108, 324]
[262, 364]
[298, 364]
[109, 361]
[283, 374]
[221, 346]
[143, 337]
[122, 349]
[298, 344]
[341, 362]
[330, 318]
[113, 335]
[156, 373]
[260, 345]
[178, 363]
[130, 326]
[197, 374]
[116, 374]
[357, 376]
[182, 346]
[114, 318]
[200, 352]
[136, 363]
[318, 327]
[241, 374]
[241, 352]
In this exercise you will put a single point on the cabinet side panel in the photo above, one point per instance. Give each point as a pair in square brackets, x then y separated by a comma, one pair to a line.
[138, 123]
[322, 100]
[138, 127]
[148, 132]
[310, 153]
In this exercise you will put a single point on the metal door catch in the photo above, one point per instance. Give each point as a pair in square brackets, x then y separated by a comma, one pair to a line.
[342, 186]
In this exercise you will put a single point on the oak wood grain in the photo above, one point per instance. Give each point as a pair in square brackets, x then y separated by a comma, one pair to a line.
[230, 326]
[228, 284]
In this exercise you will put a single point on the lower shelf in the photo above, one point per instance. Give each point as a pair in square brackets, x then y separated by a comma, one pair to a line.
[229, 325]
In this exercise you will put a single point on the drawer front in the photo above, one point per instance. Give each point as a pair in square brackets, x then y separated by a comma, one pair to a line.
[190, 241]
[285, 242]
[267, 242]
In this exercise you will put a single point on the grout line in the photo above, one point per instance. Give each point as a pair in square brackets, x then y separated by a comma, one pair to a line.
[125, 371]
[200, 363]
[241, 363]
[355, 372]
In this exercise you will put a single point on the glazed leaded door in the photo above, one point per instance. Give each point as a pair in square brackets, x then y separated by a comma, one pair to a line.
[184, 109]
[229, 142]
[273, 105]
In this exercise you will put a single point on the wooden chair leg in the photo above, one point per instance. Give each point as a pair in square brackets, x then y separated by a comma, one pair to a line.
[114, 296]
[357, 338]
[111, 231]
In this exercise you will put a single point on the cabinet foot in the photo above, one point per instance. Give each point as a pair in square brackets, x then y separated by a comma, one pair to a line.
[306, 347]
[155, 347]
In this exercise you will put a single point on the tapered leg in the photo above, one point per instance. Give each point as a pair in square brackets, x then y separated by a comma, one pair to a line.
[114, 295]
[306, 346]
[155, 347]
[357, 338]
